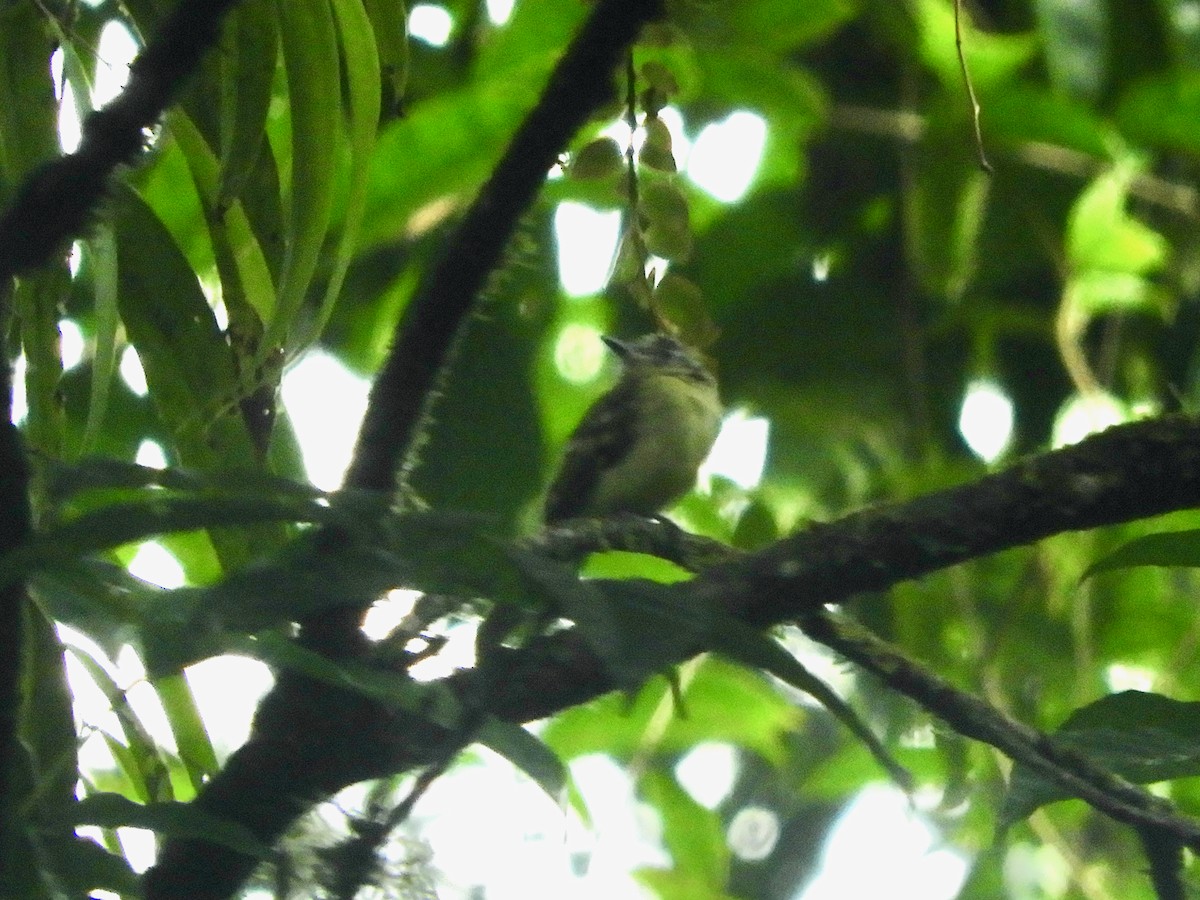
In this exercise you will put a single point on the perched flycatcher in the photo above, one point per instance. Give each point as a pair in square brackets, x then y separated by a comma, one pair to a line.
[638, 447]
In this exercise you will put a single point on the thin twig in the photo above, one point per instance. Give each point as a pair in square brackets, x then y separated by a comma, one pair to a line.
[910, 127]
[974, 717]
[966, 73]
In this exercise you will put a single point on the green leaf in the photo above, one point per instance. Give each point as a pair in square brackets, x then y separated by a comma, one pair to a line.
[778, 26]
[137, 755]
[669, 231]
[122, 523]
[174, 820]
[615, 725]
[389, 27]
[445, 147]
[655, 152]
[363, 89]
[247, 61]
[944, 212]
[191, 736]
[753, 648]
[98, 598]
[1169, 548]
[693, 835]
[527, 753]
[624, 564]
[366, 554]
[1097, 292]
[636, 627]
[601, 158]
[1142, 737]
[28, 113]
[36, 303]
[533, 37]
[310, 54]
[188, 365]
[679, 301]
[247, 285]
[84, 866]
[679, 884]
[992, 59]
[430, 702]
[46, 724]
[1102, 235]
[103, 257]
[1025, 114]
[64, 483]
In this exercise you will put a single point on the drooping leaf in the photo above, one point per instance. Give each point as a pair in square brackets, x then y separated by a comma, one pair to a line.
[83, 866]
[389, 28]
[527, 753]
[177, 820]
[187, 363]
[310, 54]
[103, 256]
[247, 77]
[363, 89]
[1140, 736]
[944, 212]
[635, 626]
[753, 648]
[191, 735]
[1169, 548]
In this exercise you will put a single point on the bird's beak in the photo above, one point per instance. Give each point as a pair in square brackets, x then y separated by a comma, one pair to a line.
[617, 346]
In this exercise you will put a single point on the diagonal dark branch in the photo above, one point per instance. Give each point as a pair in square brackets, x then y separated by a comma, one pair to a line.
[581, 84]
[57, 200]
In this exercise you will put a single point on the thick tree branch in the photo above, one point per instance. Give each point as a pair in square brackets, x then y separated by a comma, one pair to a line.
[58, 199]
[317, 741]
[1123, 474]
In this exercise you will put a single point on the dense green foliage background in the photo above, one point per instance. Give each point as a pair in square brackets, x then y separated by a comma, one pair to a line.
[309, 178]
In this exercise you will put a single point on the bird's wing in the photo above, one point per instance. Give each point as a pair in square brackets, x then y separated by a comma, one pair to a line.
[599, 443]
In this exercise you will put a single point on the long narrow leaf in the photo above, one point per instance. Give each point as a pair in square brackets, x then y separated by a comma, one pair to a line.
[248, 70]
[180, 820]
[103, 249]
[361, 62]
[753, 648]
[310, 54]
[191, 737]
[528, 754]
[123, 523]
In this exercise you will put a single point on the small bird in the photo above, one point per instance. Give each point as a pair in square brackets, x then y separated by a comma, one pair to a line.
[638, 447]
